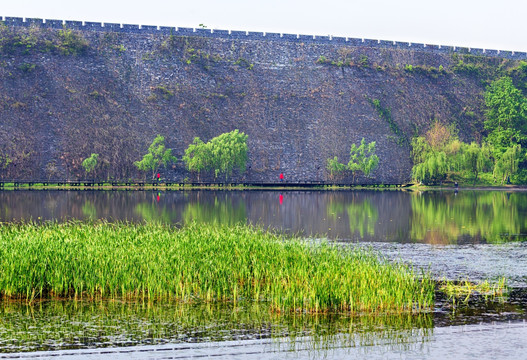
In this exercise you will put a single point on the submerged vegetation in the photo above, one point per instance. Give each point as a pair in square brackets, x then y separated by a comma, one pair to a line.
[202, 263]
[465, 289]
[462, 292]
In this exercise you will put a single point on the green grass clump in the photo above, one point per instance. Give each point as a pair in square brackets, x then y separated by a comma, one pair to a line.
[201, 263]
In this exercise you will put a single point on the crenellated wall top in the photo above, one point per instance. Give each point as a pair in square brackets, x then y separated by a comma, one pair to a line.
[250, 35]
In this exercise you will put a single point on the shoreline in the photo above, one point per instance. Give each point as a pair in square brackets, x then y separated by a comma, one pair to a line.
[138, 186]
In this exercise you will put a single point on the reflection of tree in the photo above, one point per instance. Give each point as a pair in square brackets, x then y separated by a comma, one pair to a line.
[362, 217]
[221, 211]
[4, 212]
[153, 212]
[444, 218]
[89, 210]
[361, 213]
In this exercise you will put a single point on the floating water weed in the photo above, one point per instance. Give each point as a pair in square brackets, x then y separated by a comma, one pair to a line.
[201, 263]
[465, 289]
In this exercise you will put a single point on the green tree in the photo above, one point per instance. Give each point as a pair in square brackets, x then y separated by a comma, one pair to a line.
[433, 168]
[436, 154]
[335, 168]
[157, 155]
[197, 156]
[90, 163]
[229, 151]
[507, 164]
[363, 158]
[506, 115]
[476, 158]
[222, 154]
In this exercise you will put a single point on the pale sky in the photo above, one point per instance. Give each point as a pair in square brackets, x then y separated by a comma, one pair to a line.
[488, 24]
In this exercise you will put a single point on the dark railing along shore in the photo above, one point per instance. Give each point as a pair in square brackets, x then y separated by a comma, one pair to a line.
[164, 183]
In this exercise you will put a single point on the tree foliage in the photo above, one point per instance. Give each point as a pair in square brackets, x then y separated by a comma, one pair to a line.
[197, 156]
[362, 158]
[507, 164]
[429, 154]
[506, 115]
[229, 151]
[90, 163]
[439, 136]
[222, 154]
[335, 168]
[157, 155]
[433, 168]
[477, 158]
[436, 160]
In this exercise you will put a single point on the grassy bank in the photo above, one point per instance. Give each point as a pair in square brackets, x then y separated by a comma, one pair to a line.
[201, 263]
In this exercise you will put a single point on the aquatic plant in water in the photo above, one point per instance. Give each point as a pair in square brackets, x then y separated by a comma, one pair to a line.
[464, 290]
[202, 263]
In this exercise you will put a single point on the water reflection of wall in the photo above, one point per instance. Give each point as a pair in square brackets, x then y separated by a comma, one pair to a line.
[431, 217]
[355, 215]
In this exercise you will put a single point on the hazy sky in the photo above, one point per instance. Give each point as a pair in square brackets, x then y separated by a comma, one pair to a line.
[490, 24]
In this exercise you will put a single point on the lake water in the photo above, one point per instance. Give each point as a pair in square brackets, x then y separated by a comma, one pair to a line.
[471, 235]
[435, 218]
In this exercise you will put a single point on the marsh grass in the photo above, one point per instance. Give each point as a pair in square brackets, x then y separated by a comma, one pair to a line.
[201, 263]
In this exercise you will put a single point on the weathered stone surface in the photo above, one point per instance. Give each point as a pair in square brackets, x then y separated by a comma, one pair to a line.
[132, 84]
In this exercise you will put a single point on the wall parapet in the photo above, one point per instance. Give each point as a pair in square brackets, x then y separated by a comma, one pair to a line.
[250, 35]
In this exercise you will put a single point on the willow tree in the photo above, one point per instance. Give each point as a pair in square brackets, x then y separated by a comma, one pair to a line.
[507, 164]
[477, 158]
[435, 154]
[363, 158]
[229, 151]
[434, 167]
[222, 154]
[158, 155]
[197, 156]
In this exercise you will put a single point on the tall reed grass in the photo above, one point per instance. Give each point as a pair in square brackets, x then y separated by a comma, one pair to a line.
[201, 263]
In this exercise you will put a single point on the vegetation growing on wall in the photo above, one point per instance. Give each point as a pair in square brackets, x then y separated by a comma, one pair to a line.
[128, 89]
[426, 70]
[65, 41]
[386, 114]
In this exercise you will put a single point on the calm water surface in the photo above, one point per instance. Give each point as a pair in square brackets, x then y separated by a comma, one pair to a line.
[471, 235]
[467, 217]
